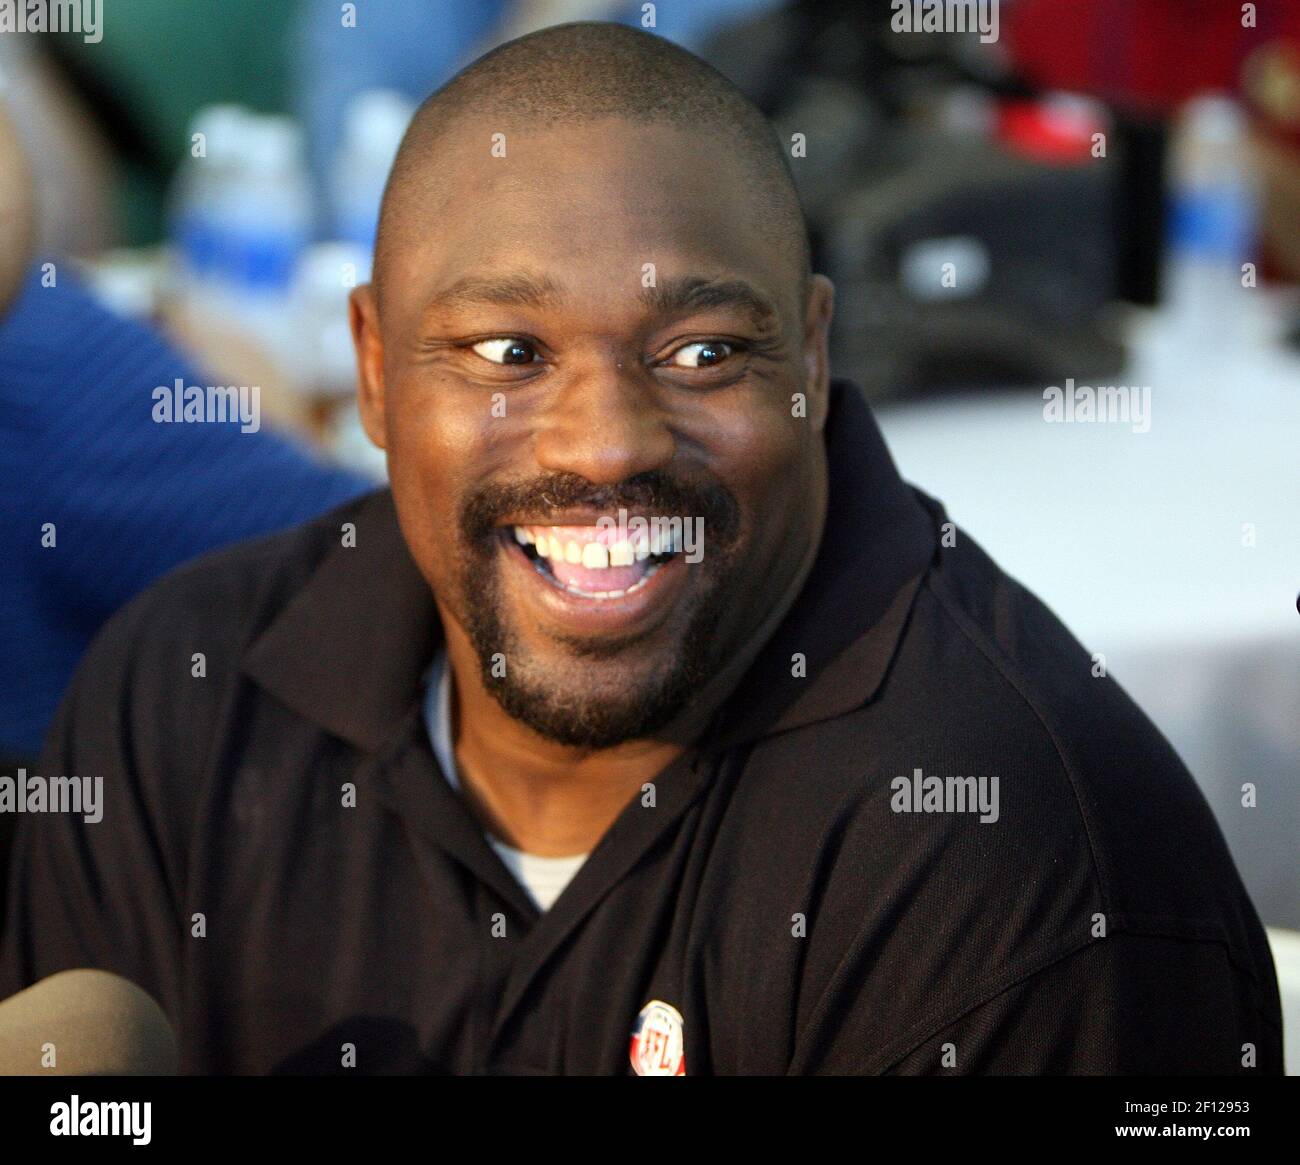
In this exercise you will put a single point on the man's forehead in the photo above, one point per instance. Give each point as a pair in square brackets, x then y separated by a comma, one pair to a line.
[637, 176]
[583, 210]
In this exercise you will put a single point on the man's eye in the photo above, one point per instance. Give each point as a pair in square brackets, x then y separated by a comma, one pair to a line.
[701, 354]
[505, 350]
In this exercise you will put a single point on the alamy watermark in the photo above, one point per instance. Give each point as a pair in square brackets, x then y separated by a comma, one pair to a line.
[215, 404]
[82, 17]
[75, 1117]
[661, 535]
[921, 794]
[946, 16]
[33, 794]
[1111, 404]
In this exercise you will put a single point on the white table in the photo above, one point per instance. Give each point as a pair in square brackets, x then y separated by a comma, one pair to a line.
[1136, 541]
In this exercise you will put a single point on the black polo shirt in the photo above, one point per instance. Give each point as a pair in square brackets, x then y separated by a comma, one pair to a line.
[817, 886]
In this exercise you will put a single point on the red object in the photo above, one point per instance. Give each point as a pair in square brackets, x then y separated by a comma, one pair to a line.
[1046, 132]
[1142, 54]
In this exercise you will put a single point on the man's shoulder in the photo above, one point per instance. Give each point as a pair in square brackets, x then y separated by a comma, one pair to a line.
[1029, 676]
[251, 579]
[1086, 776]
[218, 603]
[998, 806]
[997, 753]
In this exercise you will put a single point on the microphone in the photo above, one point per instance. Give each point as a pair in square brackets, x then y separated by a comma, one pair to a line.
[85, 1023]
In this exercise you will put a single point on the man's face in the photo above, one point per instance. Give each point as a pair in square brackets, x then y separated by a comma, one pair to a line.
[597, 326]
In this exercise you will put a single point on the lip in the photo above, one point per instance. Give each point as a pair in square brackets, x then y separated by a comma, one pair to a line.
[575, 517]
[636, 612]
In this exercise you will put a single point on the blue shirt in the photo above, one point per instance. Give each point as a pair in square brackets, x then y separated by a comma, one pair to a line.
[127, 498]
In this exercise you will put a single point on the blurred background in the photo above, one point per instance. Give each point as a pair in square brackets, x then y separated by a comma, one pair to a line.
[1100, 193]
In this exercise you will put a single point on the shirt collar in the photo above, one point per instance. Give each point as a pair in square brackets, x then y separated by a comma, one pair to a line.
[351, 649]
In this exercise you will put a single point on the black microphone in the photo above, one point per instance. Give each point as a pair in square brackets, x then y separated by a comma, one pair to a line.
[85, 1023]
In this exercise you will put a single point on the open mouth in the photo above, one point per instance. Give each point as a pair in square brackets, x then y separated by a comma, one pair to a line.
[593, 562]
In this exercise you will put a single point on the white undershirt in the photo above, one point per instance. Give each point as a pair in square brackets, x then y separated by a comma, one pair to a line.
[543, 878]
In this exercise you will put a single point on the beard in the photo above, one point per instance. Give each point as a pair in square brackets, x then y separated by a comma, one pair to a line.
[599, 715]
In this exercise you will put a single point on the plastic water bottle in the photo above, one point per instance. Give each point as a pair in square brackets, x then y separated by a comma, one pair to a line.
[374, 124]
[1212, 220]
[266, 223]
[201, 189]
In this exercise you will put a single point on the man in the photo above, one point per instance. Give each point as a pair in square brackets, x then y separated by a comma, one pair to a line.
[481, 776]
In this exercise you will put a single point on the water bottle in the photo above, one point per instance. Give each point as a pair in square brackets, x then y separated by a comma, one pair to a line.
[1212, 220]
[200, 191]
[374, 124]
[267, 222]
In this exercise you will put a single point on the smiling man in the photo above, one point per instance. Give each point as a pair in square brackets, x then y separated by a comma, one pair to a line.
[493, 773]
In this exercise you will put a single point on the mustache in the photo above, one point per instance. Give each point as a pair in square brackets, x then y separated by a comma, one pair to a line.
[653, 492]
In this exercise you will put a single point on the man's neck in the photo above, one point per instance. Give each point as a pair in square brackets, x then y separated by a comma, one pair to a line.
[554, 800]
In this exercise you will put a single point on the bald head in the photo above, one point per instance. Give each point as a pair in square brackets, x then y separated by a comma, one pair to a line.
[576, 74]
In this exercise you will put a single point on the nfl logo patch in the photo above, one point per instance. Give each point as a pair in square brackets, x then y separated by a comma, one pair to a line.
[658, 1044]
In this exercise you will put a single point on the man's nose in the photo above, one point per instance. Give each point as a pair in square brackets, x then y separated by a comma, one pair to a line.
[605, 424]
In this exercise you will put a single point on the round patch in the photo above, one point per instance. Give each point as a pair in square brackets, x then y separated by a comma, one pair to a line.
[658, 1044]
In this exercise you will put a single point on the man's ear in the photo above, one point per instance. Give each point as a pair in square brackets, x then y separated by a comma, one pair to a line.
[363, 316]
[816, 349]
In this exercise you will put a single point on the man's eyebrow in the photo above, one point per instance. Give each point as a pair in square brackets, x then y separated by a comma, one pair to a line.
[519, 289]
[685, 293]
[672, 296]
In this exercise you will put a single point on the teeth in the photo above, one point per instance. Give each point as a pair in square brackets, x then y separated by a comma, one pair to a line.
[595, 555]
